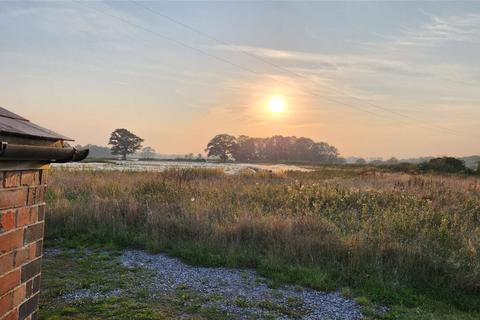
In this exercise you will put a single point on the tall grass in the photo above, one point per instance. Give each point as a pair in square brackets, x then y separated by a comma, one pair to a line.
[331, 227]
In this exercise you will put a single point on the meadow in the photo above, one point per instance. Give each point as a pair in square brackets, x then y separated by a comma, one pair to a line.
[409, 242]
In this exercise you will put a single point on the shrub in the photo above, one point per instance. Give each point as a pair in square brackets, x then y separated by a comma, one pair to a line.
[445, 164]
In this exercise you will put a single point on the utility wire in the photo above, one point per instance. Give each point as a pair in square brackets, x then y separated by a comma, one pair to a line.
[201, 51]
[259, 58]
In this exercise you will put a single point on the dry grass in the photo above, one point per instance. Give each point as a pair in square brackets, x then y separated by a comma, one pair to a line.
[357, 226]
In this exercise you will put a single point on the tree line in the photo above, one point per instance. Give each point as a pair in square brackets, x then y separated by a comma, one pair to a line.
[276, 148]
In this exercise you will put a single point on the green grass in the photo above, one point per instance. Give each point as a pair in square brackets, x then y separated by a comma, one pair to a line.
[99, 270]
[409, 242]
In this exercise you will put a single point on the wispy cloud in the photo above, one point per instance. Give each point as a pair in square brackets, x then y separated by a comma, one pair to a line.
[321, 60]
[75, 18]
[437, 31]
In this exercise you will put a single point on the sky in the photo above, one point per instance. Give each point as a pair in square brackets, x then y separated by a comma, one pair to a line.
[374, 79]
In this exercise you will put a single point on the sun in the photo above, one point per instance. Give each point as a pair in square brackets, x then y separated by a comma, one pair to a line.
[276, 104]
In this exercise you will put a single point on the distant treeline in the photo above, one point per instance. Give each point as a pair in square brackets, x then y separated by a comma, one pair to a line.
[97, 151]
[272, 149]
[470, 161]
[147, 153]
[442, 165]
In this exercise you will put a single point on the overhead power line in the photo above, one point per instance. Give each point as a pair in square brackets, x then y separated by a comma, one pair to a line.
[275, 65]
[227, 61]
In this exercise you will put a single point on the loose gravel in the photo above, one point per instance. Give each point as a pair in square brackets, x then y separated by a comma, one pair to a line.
[241, 293]
[90, 294]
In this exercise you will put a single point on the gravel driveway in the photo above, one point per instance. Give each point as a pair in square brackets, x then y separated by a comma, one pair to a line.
[241, 293]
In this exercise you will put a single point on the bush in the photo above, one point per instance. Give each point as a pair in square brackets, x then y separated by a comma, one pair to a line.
[445, 164]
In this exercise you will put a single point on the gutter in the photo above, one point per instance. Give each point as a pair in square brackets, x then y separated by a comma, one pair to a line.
[39, 153]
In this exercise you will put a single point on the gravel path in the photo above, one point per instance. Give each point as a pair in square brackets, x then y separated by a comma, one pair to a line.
[241, 293]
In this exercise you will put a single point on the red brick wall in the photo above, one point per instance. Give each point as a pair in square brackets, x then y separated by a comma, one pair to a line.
[22, 214]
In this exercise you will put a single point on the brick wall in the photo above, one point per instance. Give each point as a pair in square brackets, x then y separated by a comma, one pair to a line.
[22, 214]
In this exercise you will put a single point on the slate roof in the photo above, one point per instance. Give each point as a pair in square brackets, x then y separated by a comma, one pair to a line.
[13, 124]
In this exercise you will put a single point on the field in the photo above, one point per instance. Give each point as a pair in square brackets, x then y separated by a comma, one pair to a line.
[159, 166]
[405, 244]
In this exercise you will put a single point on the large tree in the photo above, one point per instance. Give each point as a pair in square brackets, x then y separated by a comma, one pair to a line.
[245, 149]
[222, 146]
[124, 142]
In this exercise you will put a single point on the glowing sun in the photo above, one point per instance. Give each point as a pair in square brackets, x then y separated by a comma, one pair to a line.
[276, 104]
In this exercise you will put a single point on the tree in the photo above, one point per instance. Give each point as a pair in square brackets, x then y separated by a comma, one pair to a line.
[360, 161]
[276, 148]
[244, 149]
[445, 164]
[148, 153]
[392, 160]
[377, 162]
[124, 142]
[222, 146]
[303, 149]
[96, 151]
[326, 153]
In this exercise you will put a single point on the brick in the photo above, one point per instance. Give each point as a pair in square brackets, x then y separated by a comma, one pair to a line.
[43, 190]
[11, 179]
[44, 177]
[32, 286]
[9, 281]
[6, 303]
[11, 240]
[33, 215]
[31, 269]
[19, 295]
[32, 196]
[41, 212]
[12, 198]
[28, 288]
[13, 315]
[39, 248]
[7, 221]
[34, 232]
[21, 256]
[27, 215]
[36, 195]
[23, 217]
[32, 250]
[30, 178]
[36, 284]
[28, 307]
[6, 263]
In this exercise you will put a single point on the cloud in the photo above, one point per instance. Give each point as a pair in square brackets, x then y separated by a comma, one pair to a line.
[399, 58]
[322, 61]
[75, 19]
[438, 31]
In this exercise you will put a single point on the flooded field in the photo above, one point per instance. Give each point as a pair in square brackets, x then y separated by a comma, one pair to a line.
[158, 166]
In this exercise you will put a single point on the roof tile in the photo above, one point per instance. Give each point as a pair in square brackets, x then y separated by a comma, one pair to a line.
[10, 123]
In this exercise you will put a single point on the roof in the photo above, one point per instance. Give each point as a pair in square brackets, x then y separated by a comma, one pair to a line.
[11, 123]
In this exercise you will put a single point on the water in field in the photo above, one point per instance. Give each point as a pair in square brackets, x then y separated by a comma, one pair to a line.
[155, 166]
